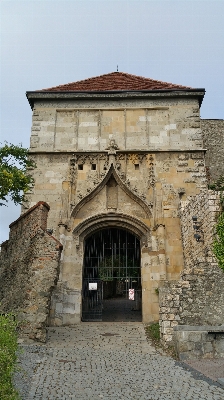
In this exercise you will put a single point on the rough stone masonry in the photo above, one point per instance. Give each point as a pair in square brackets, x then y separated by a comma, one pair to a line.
[197, 298]
[29, 271]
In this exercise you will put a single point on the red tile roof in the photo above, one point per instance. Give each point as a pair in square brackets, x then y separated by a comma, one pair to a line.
[115, 81]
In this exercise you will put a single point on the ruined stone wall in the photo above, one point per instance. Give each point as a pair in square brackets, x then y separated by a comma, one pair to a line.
[213, 137]
[197, 298]
[29, 269]
[206, 208]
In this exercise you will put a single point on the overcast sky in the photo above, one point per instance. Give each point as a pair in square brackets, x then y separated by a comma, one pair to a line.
[45, 43]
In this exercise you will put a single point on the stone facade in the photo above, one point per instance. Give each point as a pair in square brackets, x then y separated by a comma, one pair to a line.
[151, 147]
[213, 137]
[198, 297]
[29, 271]
[135, 160]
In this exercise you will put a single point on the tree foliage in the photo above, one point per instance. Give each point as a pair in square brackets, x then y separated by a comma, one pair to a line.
[15, 181]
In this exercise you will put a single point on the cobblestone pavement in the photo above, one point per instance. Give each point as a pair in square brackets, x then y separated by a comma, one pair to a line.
[107, 361]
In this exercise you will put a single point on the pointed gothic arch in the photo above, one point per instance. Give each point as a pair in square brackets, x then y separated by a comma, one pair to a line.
[93, 224]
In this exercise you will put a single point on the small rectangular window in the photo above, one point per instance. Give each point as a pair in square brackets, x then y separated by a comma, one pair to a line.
[137, 166]
[80, 167]
[93, 167]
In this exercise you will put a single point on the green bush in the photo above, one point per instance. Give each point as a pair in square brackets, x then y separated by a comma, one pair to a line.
[8, 356]
[218, 185]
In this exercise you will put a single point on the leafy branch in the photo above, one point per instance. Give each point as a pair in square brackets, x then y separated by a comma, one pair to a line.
[15, 181]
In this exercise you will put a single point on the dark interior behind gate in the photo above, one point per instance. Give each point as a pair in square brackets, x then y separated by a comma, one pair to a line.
[111, 277]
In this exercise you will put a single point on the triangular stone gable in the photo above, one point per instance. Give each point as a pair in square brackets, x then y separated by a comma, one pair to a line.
[142, 206]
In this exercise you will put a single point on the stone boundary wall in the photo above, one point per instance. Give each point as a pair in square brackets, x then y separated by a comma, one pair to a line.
[29, 269]
[193, 342]
[213, 138]
[198, 297]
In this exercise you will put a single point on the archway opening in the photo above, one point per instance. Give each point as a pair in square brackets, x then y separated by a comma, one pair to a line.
[111, 277]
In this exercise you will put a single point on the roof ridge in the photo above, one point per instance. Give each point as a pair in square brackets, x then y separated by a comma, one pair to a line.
[116, 81]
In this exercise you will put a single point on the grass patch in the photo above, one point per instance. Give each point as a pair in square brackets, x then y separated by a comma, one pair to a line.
[153, 334]
[8, 356]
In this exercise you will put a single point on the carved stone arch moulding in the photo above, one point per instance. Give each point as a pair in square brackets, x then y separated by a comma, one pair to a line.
[112, 220]
[140, 200]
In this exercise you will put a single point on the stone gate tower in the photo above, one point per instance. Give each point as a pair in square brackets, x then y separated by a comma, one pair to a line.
[116, 151]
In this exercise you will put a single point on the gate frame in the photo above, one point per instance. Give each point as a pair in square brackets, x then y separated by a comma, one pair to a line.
[115, 220]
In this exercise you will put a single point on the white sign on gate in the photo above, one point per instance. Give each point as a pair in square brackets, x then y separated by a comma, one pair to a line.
[93, 286]
[131, 294]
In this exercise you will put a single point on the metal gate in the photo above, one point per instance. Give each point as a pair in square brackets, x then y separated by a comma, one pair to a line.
[111, 274]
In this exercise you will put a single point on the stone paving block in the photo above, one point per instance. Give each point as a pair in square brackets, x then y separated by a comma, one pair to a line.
[108, 361]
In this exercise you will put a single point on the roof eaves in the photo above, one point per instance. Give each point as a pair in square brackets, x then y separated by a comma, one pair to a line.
[31, 95]
[120, 91]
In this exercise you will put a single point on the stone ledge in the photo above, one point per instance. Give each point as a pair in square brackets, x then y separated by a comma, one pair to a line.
[205, 328]
[199, 342]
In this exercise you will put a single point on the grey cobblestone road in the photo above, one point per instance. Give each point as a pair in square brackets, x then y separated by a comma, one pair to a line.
[106, 361]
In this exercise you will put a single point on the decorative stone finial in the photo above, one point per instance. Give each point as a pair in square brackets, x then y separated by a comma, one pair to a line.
[112, 147]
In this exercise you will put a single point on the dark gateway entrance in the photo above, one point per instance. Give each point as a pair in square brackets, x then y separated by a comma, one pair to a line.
[111, 277]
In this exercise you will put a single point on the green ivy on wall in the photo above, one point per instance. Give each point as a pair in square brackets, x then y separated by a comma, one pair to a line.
[218, 245]
[218, 185]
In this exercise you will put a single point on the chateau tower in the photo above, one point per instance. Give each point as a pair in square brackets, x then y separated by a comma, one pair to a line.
[114, 156]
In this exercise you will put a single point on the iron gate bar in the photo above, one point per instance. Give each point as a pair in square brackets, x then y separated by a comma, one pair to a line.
[111, 258]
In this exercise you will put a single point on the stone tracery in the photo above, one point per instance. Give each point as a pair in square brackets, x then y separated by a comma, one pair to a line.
[119, 162]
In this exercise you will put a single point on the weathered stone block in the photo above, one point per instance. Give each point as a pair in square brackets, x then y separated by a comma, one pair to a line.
[194, 337]
[208, 348]
[59, 308]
